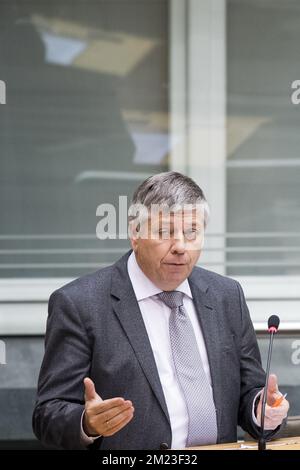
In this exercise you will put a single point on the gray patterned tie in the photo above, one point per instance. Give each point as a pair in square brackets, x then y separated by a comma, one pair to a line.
[190, 373]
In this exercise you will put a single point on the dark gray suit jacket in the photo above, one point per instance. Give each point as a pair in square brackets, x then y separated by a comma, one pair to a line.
[95, 328]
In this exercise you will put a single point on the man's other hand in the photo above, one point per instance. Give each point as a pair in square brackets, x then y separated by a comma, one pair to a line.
[274, 415]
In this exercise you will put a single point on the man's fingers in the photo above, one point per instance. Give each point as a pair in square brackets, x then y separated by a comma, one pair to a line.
[119, 427]
[109, 404]
[108, 423]
[90, 392]
[114, 415]
[275, 416]
[123, 422]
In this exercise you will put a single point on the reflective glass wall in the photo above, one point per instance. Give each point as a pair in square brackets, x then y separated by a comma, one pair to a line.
[263, 165]
[85, 120]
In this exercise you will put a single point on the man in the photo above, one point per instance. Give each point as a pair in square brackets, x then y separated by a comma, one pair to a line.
[153, 352]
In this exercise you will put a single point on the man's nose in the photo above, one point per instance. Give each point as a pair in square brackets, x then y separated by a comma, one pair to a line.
[178, 245]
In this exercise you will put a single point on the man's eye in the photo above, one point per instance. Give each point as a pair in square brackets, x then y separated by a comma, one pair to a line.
[163, 233]
[192, 232]
[166, 230]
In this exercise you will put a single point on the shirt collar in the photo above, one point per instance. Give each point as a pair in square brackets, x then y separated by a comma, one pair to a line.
[143, 287]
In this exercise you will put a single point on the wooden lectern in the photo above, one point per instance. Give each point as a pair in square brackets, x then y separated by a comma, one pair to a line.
[288, 443]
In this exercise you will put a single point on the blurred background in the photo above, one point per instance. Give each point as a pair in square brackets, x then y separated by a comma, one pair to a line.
[101, 94]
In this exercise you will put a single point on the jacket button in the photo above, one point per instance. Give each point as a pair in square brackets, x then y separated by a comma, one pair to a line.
[163, 446]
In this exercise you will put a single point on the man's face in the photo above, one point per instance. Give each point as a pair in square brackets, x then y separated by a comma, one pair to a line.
[167, 247]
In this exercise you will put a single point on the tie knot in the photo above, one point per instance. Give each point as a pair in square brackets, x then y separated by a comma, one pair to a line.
[172, 298]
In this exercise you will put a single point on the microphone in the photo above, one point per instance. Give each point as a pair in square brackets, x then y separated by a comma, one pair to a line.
[273, 324]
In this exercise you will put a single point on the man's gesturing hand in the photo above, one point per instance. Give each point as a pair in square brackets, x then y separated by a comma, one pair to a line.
[274, 415]
[104, 417]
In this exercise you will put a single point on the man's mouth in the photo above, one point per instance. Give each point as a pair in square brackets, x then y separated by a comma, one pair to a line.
[176, 264]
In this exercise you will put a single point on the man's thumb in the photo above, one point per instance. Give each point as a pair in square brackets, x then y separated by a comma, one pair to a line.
[272, 384]
[90, 392]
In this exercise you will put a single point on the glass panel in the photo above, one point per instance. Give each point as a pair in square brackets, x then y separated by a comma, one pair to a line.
[263, 166]
[86, 119]
[18, 379]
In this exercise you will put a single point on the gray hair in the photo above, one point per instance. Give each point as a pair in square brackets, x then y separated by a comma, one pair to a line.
[171, 189]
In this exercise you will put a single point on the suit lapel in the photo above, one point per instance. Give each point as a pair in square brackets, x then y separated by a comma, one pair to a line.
[128, 312]
[207, 316]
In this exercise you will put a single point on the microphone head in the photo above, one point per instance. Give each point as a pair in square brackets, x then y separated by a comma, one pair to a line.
[273, 323]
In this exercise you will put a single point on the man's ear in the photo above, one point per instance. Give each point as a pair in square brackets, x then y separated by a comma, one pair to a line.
[134, 235]
[134, 243]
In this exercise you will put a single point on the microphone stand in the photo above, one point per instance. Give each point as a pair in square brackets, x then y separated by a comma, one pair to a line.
[262, 440]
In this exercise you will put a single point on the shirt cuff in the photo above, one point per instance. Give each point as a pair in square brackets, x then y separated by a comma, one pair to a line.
[85, 439]
[253, 408]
